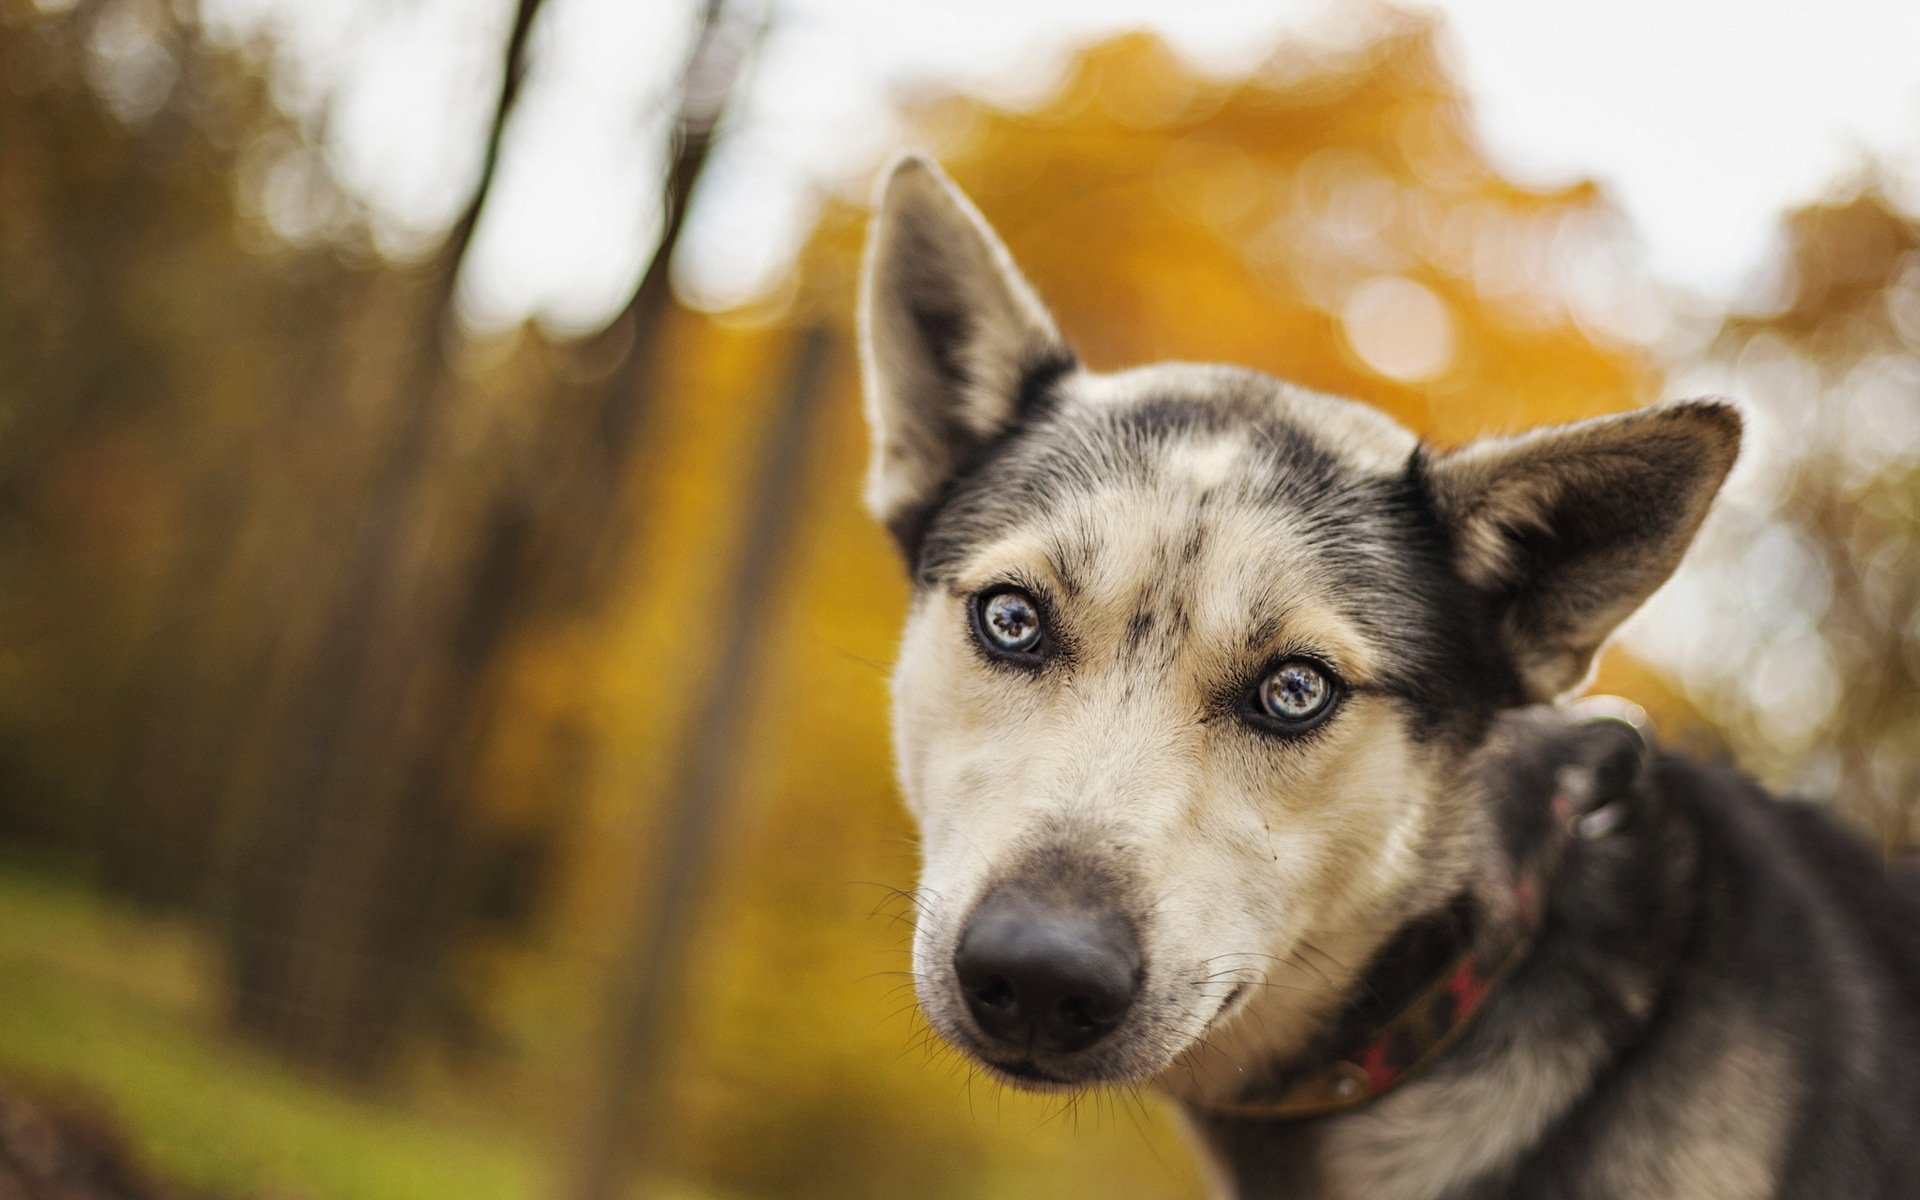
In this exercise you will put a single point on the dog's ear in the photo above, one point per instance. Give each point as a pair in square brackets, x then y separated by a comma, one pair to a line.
[953, 342]
[1568, 529]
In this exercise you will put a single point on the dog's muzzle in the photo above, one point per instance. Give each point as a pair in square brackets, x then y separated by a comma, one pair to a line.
[1039, 977]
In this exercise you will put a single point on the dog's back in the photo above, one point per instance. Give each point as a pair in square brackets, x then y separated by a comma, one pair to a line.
[1804, 924]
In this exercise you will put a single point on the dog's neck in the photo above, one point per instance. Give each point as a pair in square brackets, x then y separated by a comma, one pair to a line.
[1583, 979]
[1414, 998]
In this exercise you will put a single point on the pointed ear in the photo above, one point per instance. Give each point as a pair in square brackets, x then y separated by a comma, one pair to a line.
[953, 342]
[1568, 530]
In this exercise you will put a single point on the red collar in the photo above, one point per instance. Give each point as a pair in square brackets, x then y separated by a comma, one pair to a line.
[1420, 1033]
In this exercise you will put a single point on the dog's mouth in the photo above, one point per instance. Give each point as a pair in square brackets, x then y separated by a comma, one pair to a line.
[1064, 1072]
[1027, 1072]
[1036, 1069]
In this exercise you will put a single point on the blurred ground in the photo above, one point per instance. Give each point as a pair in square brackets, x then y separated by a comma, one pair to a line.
[54, 1152]
[115, 1007]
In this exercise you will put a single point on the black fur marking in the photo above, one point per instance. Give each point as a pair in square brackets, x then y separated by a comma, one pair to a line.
[1196, 542]
[1463, 678]
[1038, 381]
[944, 331]
[1034, 400]
[1072, 554]
[1139, 628]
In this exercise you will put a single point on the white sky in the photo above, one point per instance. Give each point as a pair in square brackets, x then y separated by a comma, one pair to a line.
[1706, 118]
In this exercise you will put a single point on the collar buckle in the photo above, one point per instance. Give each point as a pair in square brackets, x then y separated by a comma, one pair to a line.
[1597, 823]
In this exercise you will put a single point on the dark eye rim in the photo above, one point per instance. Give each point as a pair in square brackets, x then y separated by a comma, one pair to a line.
[1254, 713]
[1029, 658]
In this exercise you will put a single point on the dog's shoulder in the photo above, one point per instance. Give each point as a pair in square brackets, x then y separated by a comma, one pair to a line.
[1807, 925]
[1804, 848]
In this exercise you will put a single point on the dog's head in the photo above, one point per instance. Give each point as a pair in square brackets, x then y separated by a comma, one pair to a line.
[1195, 658]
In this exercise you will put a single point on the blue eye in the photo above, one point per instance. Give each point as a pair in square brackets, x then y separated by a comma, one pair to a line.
[1295, 692]
[1008, 621]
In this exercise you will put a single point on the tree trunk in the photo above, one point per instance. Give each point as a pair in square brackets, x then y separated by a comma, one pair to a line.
[549, 547]
[298, 972]
[625, 1121]
[368, 867]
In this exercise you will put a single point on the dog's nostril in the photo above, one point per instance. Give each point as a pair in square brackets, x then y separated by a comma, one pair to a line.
[995, 993]
[1074, 1014]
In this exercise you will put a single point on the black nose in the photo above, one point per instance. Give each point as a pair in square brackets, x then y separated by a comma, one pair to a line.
[1045, 977]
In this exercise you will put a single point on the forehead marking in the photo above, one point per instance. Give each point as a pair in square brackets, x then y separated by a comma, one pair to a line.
[1207, 462]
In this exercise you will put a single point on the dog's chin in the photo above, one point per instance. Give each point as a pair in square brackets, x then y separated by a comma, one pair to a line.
[1029, 1076]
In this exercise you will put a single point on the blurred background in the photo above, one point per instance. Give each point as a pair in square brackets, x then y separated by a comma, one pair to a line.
[442, 659]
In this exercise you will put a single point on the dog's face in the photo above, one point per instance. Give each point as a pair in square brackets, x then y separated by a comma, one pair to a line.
[1195, 659]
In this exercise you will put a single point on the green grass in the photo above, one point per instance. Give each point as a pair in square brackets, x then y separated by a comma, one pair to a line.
[115, 1006]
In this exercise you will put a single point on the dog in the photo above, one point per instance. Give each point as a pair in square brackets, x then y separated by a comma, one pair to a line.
[1231, 717]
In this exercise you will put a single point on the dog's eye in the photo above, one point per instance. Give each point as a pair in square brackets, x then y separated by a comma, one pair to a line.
[1295, 692]
[1008, 621]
